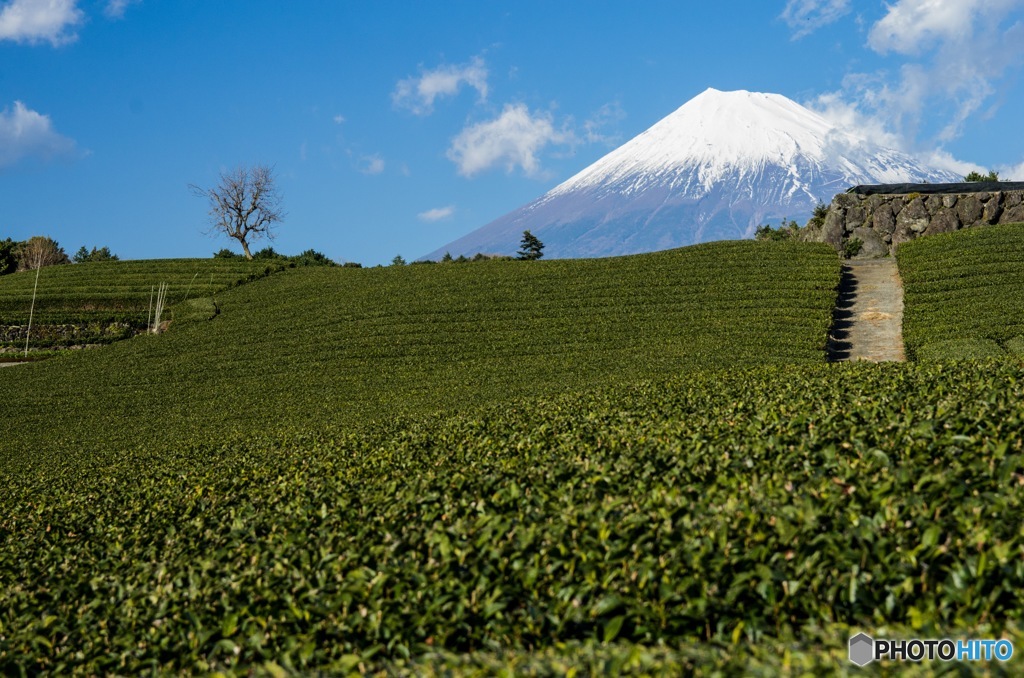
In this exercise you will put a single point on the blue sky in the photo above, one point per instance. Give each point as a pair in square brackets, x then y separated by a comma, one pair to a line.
[396, 127]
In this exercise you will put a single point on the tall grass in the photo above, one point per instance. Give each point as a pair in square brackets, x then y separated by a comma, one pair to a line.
[161, 297]
[32, 308]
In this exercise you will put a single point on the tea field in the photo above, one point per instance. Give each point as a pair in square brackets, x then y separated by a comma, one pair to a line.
[718, 519]
[328, 348]
[632, 465]
[964, 293]
[94, 296]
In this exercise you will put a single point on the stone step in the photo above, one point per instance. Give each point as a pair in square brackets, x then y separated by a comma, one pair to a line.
[868, 320]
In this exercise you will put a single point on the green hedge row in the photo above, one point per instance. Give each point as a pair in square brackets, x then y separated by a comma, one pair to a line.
[964, 292]
[101, 294]
[118, 290]
[339, 346]
[720, 509]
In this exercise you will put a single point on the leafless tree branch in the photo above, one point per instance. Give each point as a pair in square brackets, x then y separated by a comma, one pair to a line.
[245, 204]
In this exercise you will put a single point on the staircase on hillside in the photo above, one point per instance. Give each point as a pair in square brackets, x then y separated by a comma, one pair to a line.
[868, 320]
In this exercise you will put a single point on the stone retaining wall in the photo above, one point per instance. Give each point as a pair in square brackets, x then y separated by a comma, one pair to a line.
[882, 222]
[68, 333]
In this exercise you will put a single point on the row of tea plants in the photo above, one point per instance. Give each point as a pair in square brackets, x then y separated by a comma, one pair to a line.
[736, 512]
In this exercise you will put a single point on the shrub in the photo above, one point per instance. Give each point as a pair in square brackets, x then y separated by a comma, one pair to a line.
[787, 230]
[852, 247]
[313, 258]
[818, 217]
[308, 258]
[267, 253]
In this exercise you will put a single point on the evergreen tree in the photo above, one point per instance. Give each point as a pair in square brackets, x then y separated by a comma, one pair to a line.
[530, 247]
[977, 176]
[8, 257]
[97, 254]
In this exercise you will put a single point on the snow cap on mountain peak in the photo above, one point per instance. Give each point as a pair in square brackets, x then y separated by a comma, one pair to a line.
[721, 133]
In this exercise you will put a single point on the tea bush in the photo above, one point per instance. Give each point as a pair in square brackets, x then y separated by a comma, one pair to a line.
[330, 347]
[964, 292]
[95, 295]
[690, 521]
[639, 464]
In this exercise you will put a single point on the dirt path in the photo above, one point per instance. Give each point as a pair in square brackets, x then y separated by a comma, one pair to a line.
[868, 321]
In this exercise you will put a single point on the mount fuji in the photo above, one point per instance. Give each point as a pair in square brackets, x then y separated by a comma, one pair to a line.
[715, 169]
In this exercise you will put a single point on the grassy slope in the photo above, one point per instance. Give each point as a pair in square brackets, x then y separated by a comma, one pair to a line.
[330, 348]
[120, 291]
[964, 293]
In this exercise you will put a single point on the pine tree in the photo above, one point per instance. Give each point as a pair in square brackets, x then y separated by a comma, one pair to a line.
[530, 248]
[977, 176]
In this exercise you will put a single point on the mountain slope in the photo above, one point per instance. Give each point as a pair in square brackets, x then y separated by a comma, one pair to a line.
[715, 169]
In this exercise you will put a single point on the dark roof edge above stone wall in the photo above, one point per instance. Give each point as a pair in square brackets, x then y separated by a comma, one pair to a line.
[966, 187]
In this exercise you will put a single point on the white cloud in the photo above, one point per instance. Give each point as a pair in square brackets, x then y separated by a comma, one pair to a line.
[965, 49]
[418, 93]
[513, 139]
[833, 106]
[1011, 172]
[27, 134]
[945, 160]
[912, 25]
[437, 214]
[36, 21]
[115, 9]
[338, 119]
[807, 16]
[847, 115]
[371, 164]
[951, 55]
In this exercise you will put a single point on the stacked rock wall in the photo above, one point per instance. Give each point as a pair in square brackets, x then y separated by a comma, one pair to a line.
[67, 334]
[882, 222]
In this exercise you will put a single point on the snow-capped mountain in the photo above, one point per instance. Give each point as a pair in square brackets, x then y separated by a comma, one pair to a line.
[715, 169]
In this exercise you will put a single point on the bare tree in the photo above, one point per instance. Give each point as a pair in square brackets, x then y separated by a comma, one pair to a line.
[245, 205]
[39, 251]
